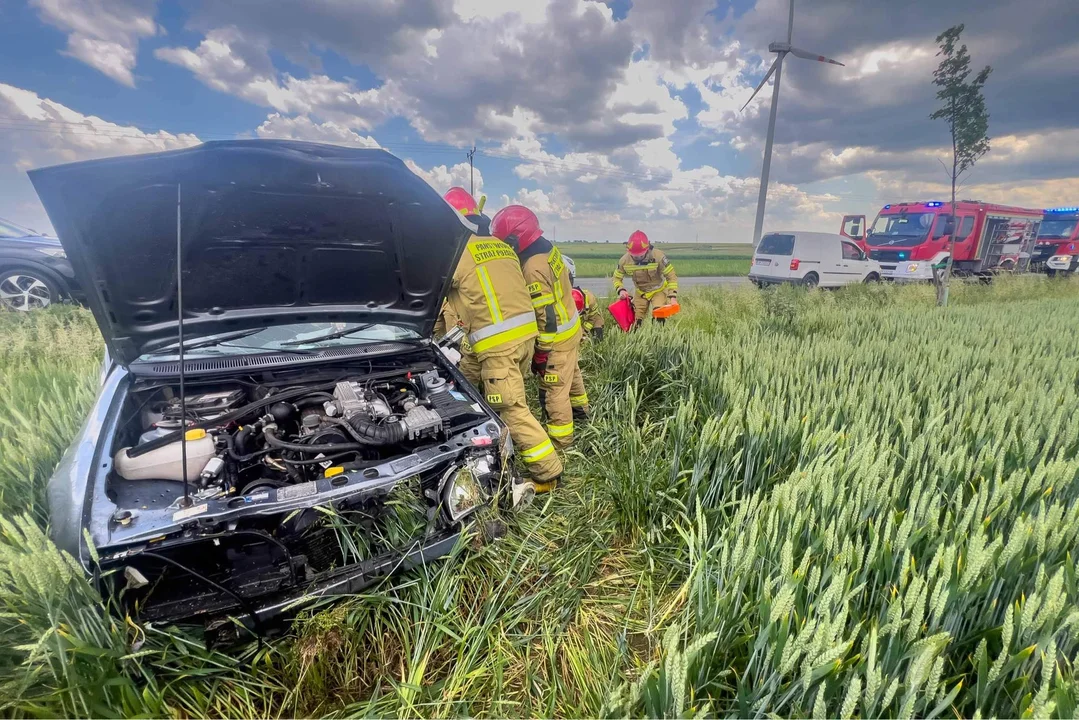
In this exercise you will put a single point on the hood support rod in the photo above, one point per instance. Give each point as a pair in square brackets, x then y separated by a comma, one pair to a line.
[180, 349]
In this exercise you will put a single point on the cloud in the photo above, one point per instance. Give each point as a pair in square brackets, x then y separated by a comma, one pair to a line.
[40, 131]
[363, 31]
[280, 127]
[442, 178]
[104, 34]
[227, 61]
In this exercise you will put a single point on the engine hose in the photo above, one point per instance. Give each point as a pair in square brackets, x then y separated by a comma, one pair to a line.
[273, 440]
[230, 440]
[370, 433]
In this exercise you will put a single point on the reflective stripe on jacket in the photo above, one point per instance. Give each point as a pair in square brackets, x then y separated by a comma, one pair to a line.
[551, 295]
[489, 299]
[652, 273]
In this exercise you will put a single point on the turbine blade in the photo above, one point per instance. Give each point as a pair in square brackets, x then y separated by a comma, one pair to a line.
[790, 24]
[806, 55]
[767, 75]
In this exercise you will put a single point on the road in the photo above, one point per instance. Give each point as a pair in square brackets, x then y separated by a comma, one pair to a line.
[601, 287]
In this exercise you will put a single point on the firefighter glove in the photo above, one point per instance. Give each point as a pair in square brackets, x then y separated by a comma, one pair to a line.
[623, 293]
[539, 362]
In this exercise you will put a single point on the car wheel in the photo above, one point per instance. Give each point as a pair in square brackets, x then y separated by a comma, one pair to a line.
[872, 278]
[811, 280]
[26, 290]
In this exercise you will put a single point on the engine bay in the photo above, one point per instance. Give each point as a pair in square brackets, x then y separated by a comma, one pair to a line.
[299, 483]
[245, 436]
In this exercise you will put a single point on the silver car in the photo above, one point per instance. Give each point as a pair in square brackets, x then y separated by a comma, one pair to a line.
[314, 438]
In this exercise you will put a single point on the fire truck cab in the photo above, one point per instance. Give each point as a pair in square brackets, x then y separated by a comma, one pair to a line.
[909, 238]
[1057, 249]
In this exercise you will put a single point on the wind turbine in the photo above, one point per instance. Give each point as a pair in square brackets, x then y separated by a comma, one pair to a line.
[781, 49]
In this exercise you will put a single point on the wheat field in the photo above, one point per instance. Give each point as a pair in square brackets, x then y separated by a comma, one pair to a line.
[788, 503]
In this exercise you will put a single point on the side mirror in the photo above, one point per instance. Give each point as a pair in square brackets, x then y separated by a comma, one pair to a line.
[869, 232]
[855, 230]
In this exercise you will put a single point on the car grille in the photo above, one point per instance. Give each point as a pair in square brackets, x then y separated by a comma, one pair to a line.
[887, 255]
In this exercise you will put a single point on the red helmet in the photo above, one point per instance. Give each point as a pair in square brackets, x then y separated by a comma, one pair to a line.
[462, 201]
[578, 299]
[638, 244]
[517, 225]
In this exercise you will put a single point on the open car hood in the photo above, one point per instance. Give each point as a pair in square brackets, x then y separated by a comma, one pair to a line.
[273, 232]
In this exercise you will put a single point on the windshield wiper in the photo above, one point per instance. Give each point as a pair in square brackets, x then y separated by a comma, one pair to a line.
[216, 340]
[329, 336]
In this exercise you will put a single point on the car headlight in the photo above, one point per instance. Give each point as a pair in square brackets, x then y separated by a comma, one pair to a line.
[913, 267]
[52, 252]
[463, 493]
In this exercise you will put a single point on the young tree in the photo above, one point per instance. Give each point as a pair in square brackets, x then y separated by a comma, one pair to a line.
[963, 109]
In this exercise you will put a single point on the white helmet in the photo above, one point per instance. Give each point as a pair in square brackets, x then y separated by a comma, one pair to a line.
[571, 267]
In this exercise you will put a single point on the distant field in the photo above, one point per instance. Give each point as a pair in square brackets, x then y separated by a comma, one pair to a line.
[690, 259]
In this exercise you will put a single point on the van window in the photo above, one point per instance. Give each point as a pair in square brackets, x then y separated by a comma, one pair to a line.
[776, 245]
[851, 252]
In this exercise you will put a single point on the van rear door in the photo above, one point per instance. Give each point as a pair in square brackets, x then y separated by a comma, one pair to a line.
[772, 260]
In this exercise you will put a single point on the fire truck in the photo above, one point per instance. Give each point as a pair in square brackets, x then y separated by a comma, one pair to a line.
[1057, 249]
[909, 238]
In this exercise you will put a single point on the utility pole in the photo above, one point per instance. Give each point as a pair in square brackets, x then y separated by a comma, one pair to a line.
[471, 174]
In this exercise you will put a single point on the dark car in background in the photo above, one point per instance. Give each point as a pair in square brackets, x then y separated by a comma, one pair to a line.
[34, 271]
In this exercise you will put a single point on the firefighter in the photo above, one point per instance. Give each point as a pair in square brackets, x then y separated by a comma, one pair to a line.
[489, 299]
[592, 318]
[555, 360]
[655, 283]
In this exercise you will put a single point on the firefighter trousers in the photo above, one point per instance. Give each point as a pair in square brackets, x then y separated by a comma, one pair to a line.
[501, 379]
[556, 386]
[643, 306]
[578, 396]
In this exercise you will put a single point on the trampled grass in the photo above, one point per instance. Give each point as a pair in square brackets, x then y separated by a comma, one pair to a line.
[690, 259]
[789, 503]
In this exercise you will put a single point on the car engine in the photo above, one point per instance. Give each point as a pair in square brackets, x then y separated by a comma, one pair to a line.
[243, 439]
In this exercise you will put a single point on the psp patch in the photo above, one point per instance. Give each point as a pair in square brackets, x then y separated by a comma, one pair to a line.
[550, 378]
[494, 399]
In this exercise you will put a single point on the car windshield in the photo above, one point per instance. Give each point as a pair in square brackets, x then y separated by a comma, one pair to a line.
[11, 230]
[285, 338]
[1058, 229]
[776, 245]
[903, 224]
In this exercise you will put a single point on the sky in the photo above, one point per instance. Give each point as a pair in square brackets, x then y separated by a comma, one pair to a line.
[603, 117]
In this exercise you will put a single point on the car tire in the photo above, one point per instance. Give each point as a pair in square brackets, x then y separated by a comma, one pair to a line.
[811, 280]
[24, 289]
[872, 278]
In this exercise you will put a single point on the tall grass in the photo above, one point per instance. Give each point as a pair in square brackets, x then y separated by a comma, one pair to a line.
[788, 503]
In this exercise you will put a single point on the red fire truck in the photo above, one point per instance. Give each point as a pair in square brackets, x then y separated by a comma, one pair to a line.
[909, 238]
[1058, 241]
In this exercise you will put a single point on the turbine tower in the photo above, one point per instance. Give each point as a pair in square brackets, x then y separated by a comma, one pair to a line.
[780, 49]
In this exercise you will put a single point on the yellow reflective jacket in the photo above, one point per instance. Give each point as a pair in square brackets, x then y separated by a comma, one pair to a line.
[592, 316]
[650, 274]
[552, 295]
[488, 298]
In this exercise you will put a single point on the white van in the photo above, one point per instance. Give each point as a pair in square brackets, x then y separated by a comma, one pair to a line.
[810, 259]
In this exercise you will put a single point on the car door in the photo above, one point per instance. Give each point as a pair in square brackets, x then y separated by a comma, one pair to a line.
[830, 260]
[852, 265]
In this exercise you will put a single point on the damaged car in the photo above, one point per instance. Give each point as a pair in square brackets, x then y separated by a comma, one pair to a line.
[275, 422]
